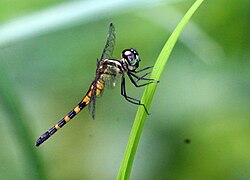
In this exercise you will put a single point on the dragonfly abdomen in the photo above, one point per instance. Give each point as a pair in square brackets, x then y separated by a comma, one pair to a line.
[61, 123]
[100, 84]
[85, 101]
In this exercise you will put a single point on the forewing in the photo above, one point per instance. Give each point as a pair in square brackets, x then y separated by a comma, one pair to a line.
[110, 43]
[106, 54]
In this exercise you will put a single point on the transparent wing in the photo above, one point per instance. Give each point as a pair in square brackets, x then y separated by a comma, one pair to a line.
[93, 99]
[93, 96]
[111, 81]
[106, 54]
[110, 43]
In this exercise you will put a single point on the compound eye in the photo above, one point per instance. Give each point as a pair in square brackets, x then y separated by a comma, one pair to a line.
[130, 57]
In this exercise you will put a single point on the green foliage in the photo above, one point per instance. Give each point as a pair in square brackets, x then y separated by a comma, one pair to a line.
[17, 123]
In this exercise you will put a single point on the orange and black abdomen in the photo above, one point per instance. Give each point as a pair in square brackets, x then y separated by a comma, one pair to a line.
[85, 101]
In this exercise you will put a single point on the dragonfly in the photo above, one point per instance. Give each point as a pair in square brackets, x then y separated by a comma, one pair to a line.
[107, 72]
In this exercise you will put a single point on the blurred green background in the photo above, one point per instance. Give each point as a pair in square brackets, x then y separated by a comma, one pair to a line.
[199, 126]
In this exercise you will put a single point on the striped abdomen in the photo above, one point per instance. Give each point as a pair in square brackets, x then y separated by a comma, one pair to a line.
[85, 101]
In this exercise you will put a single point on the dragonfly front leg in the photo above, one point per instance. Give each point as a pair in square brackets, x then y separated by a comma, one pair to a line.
[128, 98]
[140, 78]
[144, 69]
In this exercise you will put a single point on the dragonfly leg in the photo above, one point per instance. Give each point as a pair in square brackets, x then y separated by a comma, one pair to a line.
[128, 98]
[140, 85]
[144, 69]
[142, 77]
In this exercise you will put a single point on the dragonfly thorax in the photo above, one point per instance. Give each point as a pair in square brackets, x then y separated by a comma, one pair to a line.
[109, 70]
[131, 58]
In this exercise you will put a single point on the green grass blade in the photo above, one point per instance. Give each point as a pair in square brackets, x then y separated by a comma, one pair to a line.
[147, 97]
[17, 119]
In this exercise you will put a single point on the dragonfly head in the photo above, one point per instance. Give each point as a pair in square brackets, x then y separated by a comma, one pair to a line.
[132, 58]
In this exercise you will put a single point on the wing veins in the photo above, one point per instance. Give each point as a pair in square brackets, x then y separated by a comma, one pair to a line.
[110, 43]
